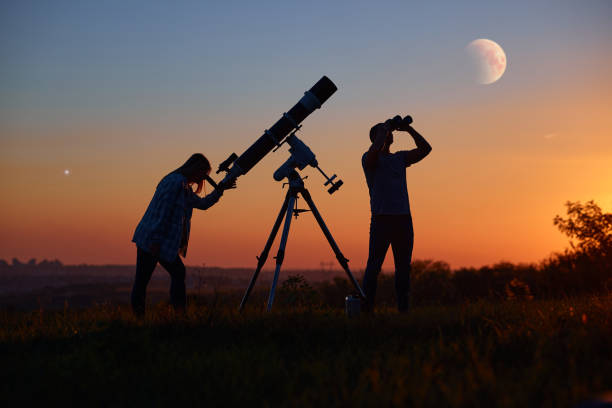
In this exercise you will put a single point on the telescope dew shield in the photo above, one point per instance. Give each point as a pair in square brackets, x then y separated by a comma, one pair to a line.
[312, 99]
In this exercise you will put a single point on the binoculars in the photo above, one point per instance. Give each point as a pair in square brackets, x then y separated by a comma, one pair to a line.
[397, 123]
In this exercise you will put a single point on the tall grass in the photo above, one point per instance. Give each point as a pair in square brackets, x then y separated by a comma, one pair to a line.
[545, 353]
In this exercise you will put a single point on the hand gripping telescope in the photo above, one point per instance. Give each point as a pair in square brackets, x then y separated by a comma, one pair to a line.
[312, 99]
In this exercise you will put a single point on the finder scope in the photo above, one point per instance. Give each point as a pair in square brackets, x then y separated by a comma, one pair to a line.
[312, 99]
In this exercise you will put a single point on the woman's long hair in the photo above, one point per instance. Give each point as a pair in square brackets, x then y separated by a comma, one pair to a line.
[197, 161]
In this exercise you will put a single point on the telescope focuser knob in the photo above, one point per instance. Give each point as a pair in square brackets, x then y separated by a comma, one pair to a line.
[335, 187]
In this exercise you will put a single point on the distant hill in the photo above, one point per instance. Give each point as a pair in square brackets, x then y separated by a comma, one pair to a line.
[27, 277]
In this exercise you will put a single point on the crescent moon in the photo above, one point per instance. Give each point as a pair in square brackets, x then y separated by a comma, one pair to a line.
[489, 60]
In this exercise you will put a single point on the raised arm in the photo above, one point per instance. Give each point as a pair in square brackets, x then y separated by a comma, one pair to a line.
[377, 146]
[423, 147]
[203, 203]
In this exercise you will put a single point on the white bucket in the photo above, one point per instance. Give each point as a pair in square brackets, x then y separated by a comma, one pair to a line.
[352, 306]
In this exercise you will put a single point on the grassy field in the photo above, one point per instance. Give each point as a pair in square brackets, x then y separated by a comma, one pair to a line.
[510, 354]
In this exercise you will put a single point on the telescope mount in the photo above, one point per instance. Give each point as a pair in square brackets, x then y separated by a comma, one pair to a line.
[289, 209]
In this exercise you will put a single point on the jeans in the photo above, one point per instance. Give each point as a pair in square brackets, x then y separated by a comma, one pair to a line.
[145, 265]
[394, 230]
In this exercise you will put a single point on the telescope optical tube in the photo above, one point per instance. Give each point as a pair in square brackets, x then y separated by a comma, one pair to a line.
[312, 99]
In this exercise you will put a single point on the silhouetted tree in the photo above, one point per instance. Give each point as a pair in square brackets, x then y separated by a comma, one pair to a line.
[591, 227]
[590, 258]
[46, 264]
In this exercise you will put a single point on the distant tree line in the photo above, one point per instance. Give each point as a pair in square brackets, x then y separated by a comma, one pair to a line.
[585, 267]
[56, 263]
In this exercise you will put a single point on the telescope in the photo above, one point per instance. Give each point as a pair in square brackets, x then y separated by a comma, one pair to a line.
[282, 131]
[275, 136]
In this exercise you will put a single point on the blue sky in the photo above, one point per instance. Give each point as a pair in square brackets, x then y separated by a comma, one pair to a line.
[101, 57]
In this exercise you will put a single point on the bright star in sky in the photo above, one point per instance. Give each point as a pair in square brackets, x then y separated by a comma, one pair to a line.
[67, 172]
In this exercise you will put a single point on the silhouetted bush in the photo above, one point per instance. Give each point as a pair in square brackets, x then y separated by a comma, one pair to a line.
[333, 293]
[295, 291]
[431, 283]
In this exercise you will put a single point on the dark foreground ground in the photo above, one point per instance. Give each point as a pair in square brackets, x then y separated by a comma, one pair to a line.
[511, 354]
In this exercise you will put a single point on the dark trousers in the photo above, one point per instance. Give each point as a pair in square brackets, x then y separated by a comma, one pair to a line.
[145, 265]
[394, 230]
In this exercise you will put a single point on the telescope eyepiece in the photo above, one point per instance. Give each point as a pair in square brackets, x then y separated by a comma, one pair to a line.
[224, 166]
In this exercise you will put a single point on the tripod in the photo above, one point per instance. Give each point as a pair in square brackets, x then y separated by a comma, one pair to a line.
[296, 186]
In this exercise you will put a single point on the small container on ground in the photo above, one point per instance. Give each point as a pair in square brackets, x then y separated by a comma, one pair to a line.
[352, 306]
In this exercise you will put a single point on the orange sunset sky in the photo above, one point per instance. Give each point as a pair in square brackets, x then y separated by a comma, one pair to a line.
[122, 94]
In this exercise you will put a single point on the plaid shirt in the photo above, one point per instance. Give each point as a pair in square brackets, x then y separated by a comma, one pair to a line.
[167, 220]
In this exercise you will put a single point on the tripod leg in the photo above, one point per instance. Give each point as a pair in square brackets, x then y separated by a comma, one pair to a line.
[261, 259]
[281, 248]
[341, 259]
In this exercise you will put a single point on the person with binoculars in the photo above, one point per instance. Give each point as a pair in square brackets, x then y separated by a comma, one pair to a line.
[391, 221]
[163, 232]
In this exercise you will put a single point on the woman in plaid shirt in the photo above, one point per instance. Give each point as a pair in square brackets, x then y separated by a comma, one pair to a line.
[163, 232]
